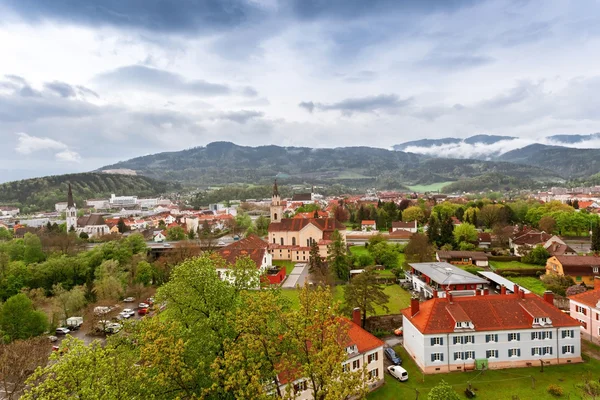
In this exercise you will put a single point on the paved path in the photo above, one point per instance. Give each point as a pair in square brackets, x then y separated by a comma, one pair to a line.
[297, 277]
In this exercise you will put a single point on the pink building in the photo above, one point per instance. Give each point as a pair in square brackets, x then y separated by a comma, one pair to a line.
[585, 307]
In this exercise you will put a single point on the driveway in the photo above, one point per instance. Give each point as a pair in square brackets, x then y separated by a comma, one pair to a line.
[298, 276]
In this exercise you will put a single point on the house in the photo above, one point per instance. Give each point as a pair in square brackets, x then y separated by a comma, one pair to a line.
[498, 331]
[559, 249]
[455, 221]
[93, 225]
[364, 351]
[484, 240]
[432, 279]
[368, 225]
[159, 236]
[410, 226]
[585, 308]
[583, 269]
[291, 238]
[477, 258]
[253, 247]
[304, 198]
[523, 241]
[320, 214]
[9, 211]
[400, 236]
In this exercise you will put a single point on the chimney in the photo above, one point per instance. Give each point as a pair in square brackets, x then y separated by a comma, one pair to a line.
[356, 316]
[503, 290]
[414, 306]
[435, 293]
[449, 295]
[597, 282]
[549, 297]
[521, 294]
[486, 292]
[516, 289]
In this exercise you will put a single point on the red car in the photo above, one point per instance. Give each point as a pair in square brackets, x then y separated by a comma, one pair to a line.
[143, 311]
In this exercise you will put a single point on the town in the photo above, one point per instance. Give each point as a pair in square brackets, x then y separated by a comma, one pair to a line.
[427, 284]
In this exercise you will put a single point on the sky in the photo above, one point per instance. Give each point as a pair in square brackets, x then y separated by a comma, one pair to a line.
[88, 83]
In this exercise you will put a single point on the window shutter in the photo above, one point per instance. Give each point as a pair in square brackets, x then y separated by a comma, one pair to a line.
[550, 348]
[585, 311]
[572, 333]
[532, 336]
[432, 341]
[549, 334]
[441, 356]
[564, 334]
[432, 357]
[519, 352]
[519, 337]
[533, 351]
[442, 341]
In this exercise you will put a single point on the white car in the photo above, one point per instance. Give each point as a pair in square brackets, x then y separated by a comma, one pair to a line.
[113, 327]
[221, 243]
[398, 372]
[62, 331]
[143, 305]
[128, 299]
[127, 313]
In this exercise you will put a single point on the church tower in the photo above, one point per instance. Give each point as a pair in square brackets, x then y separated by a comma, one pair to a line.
[276, 207]
[71, 212]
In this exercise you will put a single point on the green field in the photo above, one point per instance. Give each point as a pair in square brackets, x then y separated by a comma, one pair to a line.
[289, 265]
[492, 384]
[512, 265]
[434, 187]
[529, 282]
[399, 298]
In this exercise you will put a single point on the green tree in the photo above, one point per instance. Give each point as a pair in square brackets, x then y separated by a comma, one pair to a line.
[191, 235]
[175, 233]
[596, 238]
[262, 225]
[316, 266]
[433, 229]
[418, 249]
[19, 320]
[539, 255]
[68, 302]
[33, 249]
[413, 213]
[465, 232]
[122, 226]
[442, 391]
[5, 234]
[365, 292]
[337, 257]
[446, 232]
[471, 216]
[384, 254]
[243, 220]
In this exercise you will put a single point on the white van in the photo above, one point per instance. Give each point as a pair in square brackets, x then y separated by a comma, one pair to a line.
[398, 372]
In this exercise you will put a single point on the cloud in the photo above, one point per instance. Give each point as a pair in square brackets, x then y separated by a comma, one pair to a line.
[369, 104]
[27, 145]
[241, 117]
[152, 79]
[471, 150]
[61, 88]
[459, 61]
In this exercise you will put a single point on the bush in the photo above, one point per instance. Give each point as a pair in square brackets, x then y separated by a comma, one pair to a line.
[555, 390]
[379, 333]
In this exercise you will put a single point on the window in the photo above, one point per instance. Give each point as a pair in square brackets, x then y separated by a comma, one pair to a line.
[491, 354]
[372, 357]
[514, 337]
[374, 373]
[583, 323]
[351, 349]
[491, 338]
[568, 334]
[536, 351]
[275, 217]
[541, 335]
[356, 364]
[595, 269]
[514, 352]
[581, 310]
[437, 357]
[281, 241]
[548, 350]
[568, 349]
[293, 241]
[307, 242]
[469, 355]
[468, 339]
[597, 316]
[458, 355]
[346, 367]
[437, 341]
[300, 387]
[578, 279]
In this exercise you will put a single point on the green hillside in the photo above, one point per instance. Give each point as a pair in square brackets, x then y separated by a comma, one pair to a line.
[42, 193]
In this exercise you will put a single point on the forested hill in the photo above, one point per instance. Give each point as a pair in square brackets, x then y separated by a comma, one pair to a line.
[42, 193]
[222, 163]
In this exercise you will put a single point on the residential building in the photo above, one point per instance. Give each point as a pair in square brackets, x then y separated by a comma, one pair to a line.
[368, 225]
[477, 258]
[585, 308]
[583, 269]
[524, 241]
[559, 249]
[364, 351]
[291, 238]
[410, 226]
[92, 224]
[158, 236]
[433, 279]
[9, 211]
[498, 331]
[253, 247]
[484, 240]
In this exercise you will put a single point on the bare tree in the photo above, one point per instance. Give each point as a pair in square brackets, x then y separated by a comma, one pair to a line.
[18, 360]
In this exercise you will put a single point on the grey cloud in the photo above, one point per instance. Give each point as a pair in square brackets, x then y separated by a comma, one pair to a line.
[249, 92]
[61, 88]
[16, 79]
[153, 79]
[522, 91]
[85, 91]
[443, 61]
[242, 116]
[382, 102]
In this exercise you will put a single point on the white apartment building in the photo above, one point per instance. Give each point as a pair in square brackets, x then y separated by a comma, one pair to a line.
[494, 331]
[122, 201]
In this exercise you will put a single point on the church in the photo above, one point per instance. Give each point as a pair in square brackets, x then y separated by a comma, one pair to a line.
[291, 238]
[92, 225]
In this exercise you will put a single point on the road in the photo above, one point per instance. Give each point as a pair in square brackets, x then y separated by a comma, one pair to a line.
[298, 277]
[580, 246]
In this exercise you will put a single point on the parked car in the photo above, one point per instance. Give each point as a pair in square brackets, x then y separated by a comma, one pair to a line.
[100, 310]
[62, 331]
[143, 305]
[398, 331]
[150, 300]
[55, 348]
[128, 299]
[398, 372]
[392, 356]
[74, 323]
[52, 338]
[127, 313]
[113, 327]
[221, 243]
[143, 311]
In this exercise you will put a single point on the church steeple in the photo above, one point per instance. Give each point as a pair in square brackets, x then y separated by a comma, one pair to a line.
[70, 202]
[71, 211]
[275, 190]
[276, 207]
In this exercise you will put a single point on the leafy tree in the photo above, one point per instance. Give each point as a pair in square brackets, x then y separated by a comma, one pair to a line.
[363, 260]
[539, 255]
[33, 249]
[5, 234]
[365, 292]
[384, 254]
[465, 232]
[459, 213]
[110, 281]
[442, 391]
[447, 232]
[418, 249]
[68, 301]
[122, 226]
[175, 233]
[243, 220]
[557, 283]
[191, 234]
[262, 225]
[84, 236]
[491, 214]
[337, 257]
[19, 320]
[471, 216]
[144, 274]
[547, 224]
[433, 229]
[413, 213]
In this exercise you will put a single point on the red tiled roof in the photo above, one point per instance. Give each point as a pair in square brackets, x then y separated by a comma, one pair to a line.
[368, 222]
[559, 249]
[297, 224]
[484, 237]
[250, 242]
[589, 298]
[402, 224]
[532, 238]
[487, 313]
[321, 214]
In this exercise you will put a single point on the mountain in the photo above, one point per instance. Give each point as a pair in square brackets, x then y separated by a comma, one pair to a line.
[483, 139]
[42, 193]
[222, 163]
[573, 139]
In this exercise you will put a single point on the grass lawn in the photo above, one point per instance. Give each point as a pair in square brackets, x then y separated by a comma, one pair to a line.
[512, 265]
[490, 385]
[529, 282]
[434, 187]
[399, 298]
[289, 265]
[358, 250]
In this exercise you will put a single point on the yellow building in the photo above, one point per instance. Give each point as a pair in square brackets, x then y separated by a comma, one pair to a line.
[291, 238]
[580, 268]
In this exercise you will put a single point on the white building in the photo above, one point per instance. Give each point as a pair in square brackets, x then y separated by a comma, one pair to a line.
[98, 204]
[9, 211]
[498, 331]
[410, 226]
[60, 207]
[147, 203]
[122, 201]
